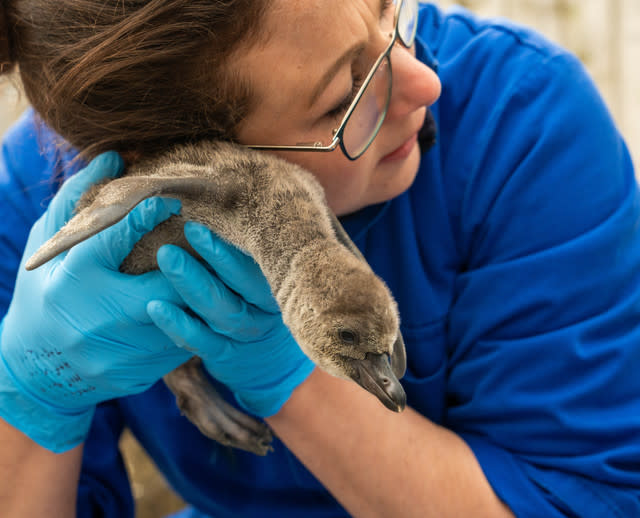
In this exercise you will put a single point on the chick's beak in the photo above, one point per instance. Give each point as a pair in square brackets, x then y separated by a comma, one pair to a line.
[376, 376]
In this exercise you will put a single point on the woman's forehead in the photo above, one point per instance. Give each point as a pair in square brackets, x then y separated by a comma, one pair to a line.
[305, 37]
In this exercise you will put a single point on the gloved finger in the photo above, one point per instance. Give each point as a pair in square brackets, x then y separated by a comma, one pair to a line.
[225, 311]
[236, 269]
[142, 288]
[60, 210]
[155, 362]
[187, 332]
[109, 247]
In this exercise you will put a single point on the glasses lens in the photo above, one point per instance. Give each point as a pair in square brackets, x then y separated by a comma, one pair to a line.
[367, 117]
[408, 21]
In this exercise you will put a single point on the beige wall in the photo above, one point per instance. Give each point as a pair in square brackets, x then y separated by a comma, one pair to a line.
[605, 34]
[11, 104]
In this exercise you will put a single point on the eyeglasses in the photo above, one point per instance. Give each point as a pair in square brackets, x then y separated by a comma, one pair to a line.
[365, 115]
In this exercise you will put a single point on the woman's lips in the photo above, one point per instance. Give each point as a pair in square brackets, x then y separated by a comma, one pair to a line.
[403, 151]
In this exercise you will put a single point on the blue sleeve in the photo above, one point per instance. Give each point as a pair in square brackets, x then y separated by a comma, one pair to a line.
[25, 190]
[544, 328]
[30, 162]
[104, 488]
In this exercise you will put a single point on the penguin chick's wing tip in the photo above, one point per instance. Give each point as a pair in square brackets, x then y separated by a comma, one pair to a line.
[59, 243]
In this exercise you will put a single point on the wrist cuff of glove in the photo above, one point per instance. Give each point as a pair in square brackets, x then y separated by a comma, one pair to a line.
[267, 401]
[51, 428]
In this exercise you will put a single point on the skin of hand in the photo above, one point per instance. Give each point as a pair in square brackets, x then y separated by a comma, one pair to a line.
[379, 463]
[354, 445]
[60, 356]
[28, 469]
[239, 334]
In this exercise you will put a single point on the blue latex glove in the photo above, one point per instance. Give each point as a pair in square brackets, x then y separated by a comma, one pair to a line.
[241, 337]
[77, 331]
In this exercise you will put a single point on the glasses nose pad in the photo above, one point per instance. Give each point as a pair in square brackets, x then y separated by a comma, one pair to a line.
[369, 113]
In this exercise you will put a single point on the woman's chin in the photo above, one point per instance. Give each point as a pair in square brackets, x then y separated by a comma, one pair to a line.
[390, 180]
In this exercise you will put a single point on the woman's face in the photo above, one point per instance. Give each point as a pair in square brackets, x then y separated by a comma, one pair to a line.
[307, 40]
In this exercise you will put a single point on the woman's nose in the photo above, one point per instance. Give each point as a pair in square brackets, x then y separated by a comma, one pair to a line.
[414, 84]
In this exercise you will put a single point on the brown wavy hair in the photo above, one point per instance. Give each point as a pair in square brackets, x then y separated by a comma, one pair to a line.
[134, 76]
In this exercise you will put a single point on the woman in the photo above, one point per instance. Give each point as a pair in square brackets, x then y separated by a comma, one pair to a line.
[511, 245]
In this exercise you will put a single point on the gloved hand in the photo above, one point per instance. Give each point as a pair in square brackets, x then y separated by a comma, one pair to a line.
[241, 338]
[77, 331]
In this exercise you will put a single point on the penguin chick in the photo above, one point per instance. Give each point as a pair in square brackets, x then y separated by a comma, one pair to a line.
[340, 313]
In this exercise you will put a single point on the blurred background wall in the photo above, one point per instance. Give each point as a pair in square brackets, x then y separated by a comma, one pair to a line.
[605, 34]
[11, 103]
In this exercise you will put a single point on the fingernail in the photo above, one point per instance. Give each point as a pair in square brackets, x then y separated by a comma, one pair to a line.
[197, 233]
[173, 205]
[157, 310]
[157, 207]
[170, 258]
[110, 162]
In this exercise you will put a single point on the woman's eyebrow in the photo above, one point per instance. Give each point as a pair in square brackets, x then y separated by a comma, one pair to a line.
[350, 55]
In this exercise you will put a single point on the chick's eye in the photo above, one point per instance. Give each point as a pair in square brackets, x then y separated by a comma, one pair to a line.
[348, 337]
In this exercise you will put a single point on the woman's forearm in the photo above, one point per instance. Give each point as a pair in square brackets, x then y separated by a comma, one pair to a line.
[377, 463]
[35, 482]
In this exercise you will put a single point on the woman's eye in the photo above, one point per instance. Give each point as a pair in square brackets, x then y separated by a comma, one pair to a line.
[339, 110]
[336, 113]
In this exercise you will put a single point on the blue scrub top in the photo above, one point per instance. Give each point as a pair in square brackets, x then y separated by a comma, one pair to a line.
[515, 262]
